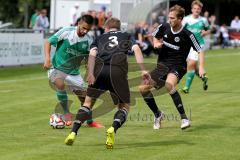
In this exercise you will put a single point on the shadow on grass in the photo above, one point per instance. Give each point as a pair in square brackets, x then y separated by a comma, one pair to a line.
[217, 92]
[206, 127]
[147, 144]
[153, 144]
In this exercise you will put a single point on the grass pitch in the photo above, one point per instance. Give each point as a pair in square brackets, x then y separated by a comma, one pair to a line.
[27, 101]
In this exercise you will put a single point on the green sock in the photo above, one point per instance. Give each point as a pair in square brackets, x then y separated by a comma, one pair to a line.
[63, 98]
[189, 78]
[90, 120]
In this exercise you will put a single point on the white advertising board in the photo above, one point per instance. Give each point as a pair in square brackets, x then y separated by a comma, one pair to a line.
[21, 48]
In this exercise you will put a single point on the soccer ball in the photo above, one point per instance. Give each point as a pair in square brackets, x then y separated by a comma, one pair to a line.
[56, 121]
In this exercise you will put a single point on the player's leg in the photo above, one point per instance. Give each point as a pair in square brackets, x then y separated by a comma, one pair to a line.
[171, 83]
[119, 118]
[120, 93]
[192, 69]
[148, 97]
[192, 61]
[57, 79]
[83, 114]
[76, 84]
[63, 100]
[204, 79]
[157, 75]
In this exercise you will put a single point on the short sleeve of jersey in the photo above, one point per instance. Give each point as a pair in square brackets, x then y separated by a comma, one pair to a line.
[158, 33]
[194, 43]
[184, 21]
[94, 44]
[206, 24]
[90, 42]
[132, 41]
[58, 36]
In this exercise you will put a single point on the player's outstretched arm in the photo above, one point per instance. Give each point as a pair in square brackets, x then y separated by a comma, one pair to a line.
[139, 58]
[201, 64]
[91, 65]
[47, 60]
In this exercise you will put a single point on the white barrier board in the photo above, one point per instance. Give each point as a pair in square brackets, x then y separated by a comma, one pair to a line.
[21, 48]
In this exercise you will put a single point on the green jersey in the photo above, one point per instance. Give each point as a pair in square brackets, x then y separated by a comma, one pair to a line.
[196, 25]
[70, 50]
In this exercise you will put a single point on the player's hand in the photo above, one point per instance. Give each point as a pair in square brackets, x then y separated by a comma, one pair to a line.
[203, 33]
[146, 77]
[90, 79]
[201, 72]
[157, 44]
[47, 64]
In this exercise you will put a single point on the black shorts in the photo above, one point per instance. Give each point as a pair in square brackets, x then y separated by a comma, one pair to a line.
[112, 79]
[159, 74]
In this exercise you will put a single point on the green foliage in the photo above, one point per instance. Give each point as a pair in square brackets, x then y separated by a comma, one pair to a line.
[14, 10]
[9, 10]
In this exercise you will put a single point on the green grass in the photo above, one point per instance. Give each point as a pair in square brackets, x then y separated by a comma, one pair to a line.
[27, 101]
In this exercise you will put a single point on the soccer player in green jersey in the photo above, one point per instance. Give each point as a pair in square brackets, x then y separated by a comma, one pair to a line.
[199, 26]
[72, 45]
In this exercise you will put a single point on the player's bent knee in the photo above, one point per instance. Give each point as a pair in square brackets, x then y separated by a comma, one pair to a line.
[59, 84]
[169, 86]
[192, 65]
[143, 88]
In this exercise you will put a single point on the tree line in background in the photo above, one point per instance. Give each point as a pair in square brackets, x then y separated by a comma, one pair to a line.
[19, 12]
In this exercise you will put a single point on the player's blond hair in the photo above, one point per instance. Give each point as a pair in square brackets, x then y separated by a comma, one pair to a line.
[197, 2]
[113, 23]
[180, 12]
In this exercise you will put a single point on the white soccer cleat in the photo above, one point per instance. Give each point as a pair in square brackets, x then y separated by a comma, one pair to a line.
[157, 121]
[185, 124]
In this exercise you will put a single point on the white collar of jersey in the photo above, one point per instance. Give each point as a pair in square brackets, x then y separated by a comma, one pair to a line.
[113, 29]
[74, 38]
[80, 38]
[177, 31]
[196, 17]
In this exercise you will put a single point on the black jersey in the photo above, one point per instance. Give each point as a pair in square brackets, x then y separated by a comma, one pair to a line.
[113, 47]
[176, 45]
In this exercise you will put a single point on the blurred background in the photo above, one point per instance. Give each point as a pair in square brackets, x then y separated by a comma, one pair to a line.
[24, 24]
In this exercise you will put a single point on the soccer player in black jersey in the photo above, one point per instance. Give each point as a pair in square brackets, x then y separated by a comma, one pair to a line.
[107, 70]
[175, 43]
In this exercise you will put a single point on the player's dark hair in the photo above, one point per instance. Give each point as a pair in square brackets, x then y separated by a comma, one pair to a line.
[179, 11]
[113, 23]
[87, 18]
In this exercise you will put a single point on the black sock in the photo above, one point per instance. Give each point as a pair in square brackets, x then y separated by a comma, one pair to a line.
[83, 114]
[119, 118]
[150, 101]
[178, 103]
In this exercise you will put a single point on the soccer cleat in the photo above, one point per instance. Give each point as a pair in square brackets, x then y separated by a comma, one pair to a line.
[70, 138]
[110, 138]
[95, 124]
[185, 124]
[157, 121]
[185, 90]
[205, 83]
